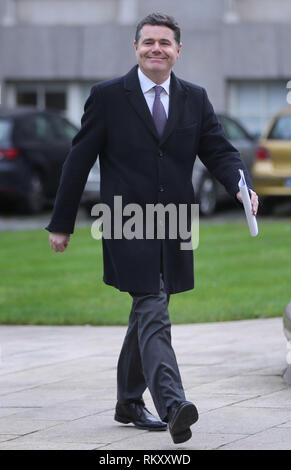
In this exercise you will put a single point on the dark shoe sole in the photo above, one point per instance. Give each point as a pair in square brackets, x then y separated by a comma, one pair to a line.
[185, 416]
[182, 437]
[122, 419]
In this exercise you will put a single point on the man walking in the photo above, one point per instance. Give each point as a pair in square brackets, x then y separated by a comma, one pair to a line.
[147, 127]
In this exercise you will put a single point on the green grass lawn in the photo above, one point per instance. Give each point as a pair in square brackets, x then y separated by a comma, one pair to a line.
[236, 277]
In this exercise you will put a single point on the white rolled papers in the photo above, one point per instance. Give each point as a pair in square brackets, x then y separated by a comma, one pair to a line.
[251, 219]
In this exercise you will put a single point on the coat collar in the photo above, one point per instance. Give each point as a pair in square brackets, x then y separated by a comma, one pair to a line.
[147, 84]
[136, 98]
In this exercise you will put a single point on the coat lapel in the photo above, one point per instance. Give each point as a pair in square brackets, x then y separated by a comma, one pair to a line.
[137, 100]
[178, 95]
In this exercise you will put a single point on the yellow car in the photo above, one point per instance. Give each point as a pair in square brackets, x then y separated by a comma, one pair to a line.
[272, 167]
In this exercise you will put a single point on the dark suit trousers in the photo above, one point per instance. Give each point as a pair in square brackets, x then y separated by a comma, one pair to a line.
[147, 358]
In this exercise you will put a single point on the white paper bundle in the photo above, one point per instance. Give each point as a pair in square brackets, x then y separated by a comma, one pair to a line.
[251, 219]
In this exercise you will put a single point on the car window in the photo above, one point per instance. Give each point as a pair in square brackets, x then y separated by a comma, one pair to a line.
[43, 128]
[64, 129]
[37, 127]
[281, 129]
[232, 129]
[5, 131]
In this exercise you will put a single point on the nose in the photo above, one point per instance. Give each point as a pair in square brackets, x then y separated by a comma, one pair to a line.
[156, 47]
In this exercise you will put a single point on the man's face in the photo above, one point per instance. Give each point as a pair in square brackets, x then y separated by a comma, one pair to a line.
[156, 50]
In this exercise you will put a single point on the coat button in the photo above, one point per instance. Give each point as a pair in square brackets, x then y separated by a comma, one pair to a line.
[162, 189]
[161, 153]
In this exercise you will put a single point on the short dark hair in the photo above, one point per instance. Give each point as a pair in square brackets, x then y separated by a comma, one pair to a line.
[160, 19]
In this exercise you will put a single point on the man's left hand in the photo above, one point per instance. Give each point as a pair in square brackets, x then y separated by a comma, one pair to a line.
[254, 200]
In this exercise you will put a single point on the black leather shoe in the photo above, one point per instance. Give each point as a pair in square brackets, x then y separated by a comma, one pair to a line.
[181, 417]
[137, 414]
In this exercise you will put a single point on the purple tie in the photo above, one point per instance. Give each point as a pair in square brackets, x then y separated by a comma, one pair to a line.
[159, 113]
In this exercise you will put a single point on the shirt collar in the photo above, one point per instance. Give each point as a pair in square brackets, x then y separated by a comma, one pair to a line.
[147, 84]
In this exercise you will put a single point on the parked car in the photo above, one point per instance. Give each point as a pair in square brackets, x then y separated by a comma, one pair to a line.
[272, 167]
[209, 192]
[33, 147]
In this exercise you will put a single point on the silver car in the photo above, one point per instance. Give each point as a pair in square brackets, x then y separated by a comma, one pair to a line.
[209, 192]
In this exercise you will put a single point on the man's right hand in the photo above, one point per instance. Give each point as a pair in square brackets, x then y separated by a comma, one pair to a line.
[59, 241]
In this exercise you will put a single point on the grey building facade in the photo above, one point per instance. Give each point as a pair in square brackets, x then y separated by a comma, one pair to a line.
[52, 51]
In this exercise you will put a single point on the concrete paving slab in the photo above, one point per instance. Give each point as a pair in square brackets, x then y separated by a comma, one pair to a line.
[58, 387]
[20, 444]
[9, 411]
[270, 439]
[287, 424]
[13, 424]
[161, 441]
[281, 399]
[67, 411]
[208, 402]
[7, 437]
[90, 429]
[241, 385]
[240, 420]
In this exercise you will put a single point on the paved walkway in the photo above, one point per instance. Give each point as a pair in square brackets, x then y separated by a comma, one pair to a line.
[58, 387]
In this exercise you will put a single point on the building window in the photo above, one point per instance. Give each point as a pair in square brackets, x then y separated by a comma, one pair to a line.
[66, 97]
[26, 98]
[41, 95]
[254, 102]
[55, 100]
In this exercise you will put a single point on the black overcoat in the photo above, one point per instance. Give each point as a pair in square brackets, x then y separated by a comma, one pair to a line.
[144, 169]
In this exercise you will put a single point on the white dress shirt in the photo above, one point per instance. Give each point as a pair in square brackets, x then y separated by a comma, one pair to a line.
[149, 93]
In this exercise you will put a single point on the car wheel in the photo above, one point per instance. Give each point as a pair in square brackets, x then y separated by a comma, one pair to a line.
[207, 196]
[33, 202]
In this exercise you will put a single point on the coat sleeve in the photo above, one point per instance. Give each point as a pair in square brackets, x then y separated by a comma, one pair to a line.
[220, 157]
[86, 146]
